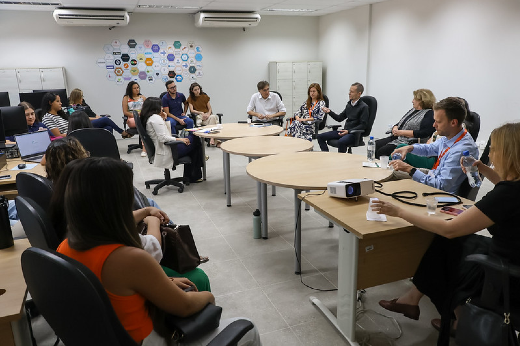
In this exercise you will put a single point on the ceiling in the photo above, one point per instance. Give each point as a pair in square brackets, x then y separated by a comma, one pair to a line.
[264, 7]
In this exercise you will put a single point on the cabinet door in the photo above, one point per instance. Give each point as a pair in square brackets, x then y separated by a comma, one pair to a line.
[29, 80]
[314, 72]
[300, 87]
[284, 70]
[299, 70]
[285, 88]
[9, 83]
[52, 78]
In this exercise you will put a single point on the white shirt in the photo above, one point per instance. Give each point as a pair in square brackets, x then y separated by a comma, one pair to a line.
[271, 105]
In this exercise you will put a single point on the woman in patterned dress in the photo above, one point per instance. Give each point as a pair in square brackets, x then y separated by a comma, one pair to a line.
[310, 110]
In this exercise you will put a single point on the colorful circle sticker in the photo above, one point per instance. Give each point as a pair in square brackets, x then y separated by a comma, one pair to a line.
[171, 66]
[119, 80]
[164, 62]
[155, 48]
[178, 78]
[149, 71]
[198, 57]
[170, 49]
[193, 78]
[116, 44]
[191, 62]
[150, 79]
[178, 61]
[135, 79]
[192, 69]
[177, 44]
[118, 71]
[171, 74]
[142, 75]
[148, 53]
[184, 50]
[148, 61]
[117, 62]
[108, 48]
[147, 44]
[184, 57]
[111, 76]
[133, 62]
[163, 53]
[116, 54]
[170, 57]
[125, 57]
[185, 65]
[141, 57]
[198, 49]
[134, 71]
[132, 43]
[126, 66]
[165, 79]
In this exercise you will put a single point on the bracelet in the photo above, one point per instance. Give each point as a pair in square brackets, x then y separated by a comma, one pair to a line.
[412, 172]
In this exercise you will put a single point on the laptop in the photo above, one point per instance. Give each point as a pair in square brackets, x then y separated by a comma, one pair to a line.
[32, 146]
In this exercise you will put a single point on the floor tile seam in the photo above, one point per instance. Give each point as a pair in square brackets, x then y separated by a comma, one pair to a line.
[275, 307]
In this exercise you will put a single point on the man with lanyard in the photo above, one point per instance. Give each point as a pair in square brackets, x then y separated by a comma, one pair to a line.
[174, 105]
[446, 174]
[356, 113]
[264, 105]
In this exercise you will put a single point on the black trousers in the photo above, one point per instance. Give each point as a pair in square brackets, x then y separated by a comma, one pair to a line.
[383, 148]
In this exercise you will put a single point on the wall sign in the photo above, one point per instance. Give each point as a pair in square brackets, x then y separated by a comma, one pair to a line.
[151, 61]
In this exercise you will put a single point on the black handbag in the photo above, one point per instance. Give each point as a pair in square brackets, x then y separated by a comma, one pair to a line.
[478, 326]
[6, 234]
[188, 329]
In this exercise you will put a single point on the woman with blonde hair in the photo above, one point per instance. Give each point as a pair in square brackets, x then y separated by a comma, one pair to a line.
[416, 123]
[310, 110]
[443, 275]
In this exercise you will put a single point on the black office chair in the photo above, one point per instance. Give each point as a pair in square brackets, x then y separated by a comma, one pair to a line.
[98, 142]
[277, 121]
[466, 191]
[133, 132]
[472, 123]
[35, 187]
[372, 111]
[36, 224]
[150, 151]
[65, 290]
[318, 124]
[4, 99]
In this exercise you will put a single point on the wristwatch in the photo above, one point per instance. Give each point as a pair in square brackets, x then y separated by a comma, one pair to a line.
[412, 171]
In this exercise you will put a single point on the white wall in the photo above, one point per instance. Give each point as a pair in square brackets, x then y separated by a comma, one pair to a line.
[466, 48]
[234, 60]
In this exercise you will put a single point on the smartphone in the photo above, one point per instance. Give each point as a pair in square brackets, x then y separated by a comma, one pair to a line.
[451, 210]
[189, 289]
[446, 199]
[467, 206]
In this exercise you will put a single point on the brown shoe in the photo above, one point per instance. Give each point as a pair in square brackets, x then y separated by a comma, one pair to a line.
[125, 134]
[436, 323]
[410, 311]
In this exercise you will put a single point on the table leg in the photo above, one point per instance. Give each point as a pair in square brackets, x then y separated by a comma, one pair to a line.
[273, 190]
[227, 178]
[265, 224]
[203, 144]
[345, 323]
[297, 233]
[224, 170]
[259, 195]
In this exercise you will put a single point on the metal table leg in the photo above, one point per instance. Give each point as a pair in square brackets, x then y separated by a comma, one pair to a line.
[203, 143]
[227, 178]
[273, 190]
[265, 224]
[298, 233]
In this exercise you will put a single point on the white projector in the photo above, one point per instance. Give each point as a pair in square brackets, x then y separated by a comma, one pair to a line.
[351, 188]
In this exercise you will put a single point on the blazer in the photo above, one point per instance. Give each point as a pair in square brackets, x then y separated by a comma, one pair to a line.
[160, 132]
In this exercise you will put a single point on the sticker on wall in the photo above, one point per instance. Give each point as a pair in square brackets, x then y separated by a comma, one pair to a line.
[193, 78]
[151, 61]
[135, 79]
[165, 79]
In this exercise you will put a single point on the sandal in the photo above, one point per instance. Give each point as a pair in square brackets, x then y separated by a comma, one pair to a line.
[204, 259]
[125, 134]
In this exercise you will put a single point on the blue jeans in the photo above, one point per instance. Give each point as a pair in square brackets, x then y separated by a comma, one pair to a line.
[344, 141]
[106, 123]
[187, 120]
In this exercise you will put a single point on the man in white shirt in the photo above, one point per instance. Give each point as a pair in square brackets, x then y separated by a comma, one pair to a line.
[264, 105]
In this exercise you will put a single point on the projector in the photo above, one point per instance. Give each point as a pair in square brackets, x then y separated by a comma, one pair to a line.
[351, 188]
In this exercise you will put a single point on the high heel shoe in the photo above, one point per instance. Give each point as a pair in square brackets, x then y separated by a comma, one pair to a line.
[410, 311]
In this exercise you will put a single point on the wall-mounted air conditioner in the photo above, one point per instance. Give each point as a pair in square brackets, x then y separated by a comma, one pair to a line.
[226, 20]
[85, 17]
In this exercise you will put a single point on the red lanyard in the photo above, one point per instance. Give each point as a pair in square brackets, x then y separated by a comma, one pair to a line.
[310, 110]
[446, 150]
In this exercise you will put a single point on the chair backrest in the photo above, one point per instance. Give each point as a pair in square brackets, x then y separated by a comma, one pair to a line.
[147, 141]
[35, 187]
[372, 111]
[72, 300]
[98, 142]
[277, 93]
[323, 122]
[4, 99]
[162, 94]
[466, 191]
[472, 122]
[36, 224]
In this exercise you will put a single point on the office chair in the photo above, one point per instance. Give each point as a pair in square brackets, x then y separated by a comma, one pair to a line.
[277, 121]
[35, 187]
[4, 99]
[466, 191]
[63, 288]
[36, 224]
[98, 142]
[150, 151]
[318, 124]
[372, 111]
[472, 123]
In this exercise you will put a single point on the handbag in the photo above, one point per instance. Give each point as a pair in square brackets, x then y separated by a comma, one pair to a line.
[6, 234]
[178, 248]
[188, 329]
[482, 327]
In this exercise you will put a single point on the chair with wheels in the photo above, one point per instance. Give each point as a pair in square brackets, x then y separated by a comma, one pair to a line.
[472, 123]
[35, 187]
[318, 124]
[133, 132]
[277, 121]
[466, 191]
[372, 111]
[98, 142]
[36, 224]
[150, 151]
[64, 289]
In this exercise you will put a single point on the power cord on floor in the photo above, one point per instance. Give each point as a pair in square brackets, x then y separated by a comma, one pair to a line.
[294, 244]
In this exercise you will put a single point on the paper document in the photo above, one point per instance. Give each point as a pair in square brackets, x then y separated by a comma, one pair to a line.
[371, 164]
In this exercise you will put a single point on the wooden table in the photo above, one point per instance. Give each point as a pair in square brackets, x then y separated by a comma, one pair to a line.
[8, 186]
[12, 323]
[232, 131]
[310, 171]
[256, 147]
[372, 253]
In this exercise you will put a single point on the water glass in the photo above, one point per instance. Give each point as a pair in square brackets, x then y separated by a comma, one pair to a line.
[384, 161]
[431, 205]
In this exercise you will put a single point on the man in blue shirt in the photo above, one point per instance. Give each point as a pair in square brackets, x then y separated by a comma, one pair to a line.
[174, 105]
[446, 174]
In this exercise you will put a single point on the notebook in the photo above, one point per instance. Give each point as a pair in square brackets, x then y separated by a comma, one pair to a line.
[32, 146]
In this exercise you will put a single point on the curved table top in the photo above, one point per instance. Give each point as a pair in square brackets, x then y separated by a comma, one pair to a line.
[312, 170]
[265, 146]
[235, 130]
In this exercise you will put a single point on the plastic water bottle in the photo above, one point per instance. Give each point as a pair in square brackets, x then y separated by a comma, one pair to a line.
[371, 149]
[397, 156]
[257, 225]
[471, 171]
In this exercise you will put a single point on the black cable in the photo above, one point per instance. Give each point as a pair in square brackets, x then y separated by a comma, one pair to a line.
[294, 244]
[402, 196]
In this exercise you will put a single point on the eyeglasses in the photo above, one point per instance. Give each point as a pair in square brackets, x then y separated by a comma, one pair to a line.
[265, 89]
[172, 88]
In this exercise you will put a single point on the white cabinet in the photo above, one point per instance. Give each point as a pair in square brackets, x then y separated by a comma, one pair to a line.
[25, 80]
[292, 79]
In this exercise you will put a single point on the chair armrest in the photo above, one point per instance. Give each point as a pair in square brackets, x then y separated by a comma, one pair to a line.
[220, 115]
[493, 263]
[175, 153]
[232, 333]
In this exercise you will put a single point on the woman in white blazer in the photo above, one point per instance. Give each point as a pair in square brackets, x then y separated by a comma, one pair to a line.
[153, 120]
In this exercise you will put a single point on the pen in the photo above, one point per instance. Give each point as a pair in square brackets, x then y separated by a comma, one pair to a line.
[377, 165]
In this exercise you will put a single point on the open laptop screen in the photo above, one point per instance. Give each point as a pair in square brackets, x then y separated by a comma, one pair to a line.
[33, 143]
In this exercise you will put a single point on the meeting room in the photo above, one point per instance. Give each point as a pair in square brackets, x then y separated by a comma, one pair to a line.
[234, 172]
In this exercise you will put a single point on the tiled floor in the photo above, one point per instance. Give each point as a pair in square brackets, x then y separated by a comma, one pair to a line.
[255, 278]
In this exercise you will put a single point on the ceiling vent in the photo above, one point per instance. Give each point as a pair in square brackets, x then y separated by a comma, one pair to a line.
[226, 19]
[84, 17]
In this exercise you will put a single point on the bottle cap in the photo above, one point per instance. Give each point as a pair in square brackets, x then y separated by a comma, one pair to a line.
[256, 213]
[465, 153]
[371, 137]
